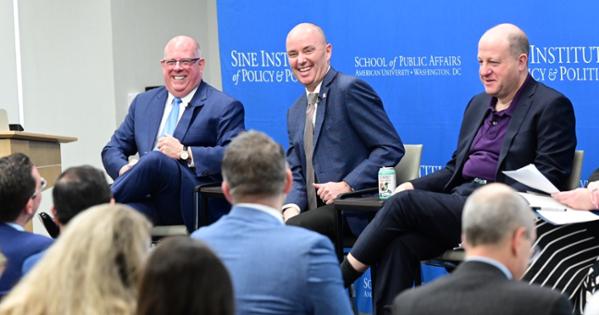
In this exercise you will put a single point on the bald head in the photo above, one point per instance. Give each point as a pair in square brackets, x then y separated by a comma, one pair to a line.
[182, 42]
[307, 29]
[515, 38]
[494, 212]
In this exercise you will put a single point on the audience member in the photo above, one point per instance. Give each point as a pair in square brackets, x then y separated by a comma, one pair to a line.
[276, 269]
[75, 190]
[183, 276]
[516, 122]
[20, 195]
[92, 268]
[567, 252]
[334, 113]
[497, 232]
[179, 148]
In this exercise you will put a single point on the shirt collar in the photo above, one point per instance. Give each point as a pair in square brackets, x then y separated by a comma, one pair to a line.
[271, 211]
[493, 263]
[317, 89]
[508, 111]
[16, 226]
[185, 100]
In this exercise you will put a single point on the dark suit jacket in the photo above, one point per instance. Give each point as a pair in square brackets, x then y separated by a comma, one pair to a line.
[541, 131]
[478, 288]
[353, 136]
[17, 246]
[208, 124]
[594, 176]
[275, 268]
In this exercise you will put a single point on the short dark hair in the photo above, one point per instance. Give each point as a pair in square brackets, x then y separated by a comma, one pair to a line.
[254, 165]
[77, 189]
[179, 271]
[17, 185]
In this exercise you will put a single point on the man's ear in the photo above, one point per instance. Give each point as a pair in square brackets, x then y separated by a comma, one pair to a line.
[523, 61]
[517, 238]
[28, 209]
[226, 191]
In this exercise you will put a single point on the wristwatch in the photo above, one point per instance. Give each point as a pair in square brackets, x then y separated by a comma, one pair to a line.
[184, 154]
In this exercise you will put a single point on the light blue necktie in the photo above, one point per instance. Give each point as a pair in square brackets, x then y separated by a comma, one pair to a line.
[171, 120]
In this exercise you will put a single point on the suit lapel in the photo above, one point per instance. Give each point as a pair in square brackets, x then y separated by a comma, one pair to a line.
[198, 100]
[322, 104]
[155, 112]
[520, 112]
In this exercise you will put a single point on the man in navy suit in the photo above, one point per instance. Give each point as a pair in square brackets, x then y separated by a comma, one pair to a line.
[179, 131]
[20, 195]
[339, 140]
[516, 122]
[498, 232]
[275, 269]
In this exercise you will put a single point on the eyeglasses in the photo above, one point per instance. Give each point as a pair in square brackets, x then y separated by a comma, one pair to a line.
[43, 184]
[184, 63]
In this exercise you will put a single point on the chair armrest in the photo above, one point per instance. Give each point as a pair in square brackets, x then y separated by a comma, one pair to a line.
[359, 193]
[205, 186]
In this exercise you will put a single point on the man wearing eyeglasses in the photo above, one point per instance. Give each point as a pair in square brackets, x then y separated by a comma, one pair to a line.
[20, 195]
[179, 131]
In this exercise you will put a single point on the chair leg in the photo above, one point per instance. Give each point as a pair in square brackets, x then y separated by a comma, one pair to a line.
[339, 236]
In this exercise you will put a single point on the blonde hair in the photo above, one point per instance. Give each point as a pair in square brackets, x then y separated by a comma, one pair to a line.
[93, 267]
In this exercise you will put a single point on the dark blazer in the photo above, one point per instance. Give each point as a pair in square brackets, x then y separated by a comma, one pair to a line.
[353, 136]
[479, 288]
[208, 124]
[594, 176]
[541, 131]
[275, 268]
[17, 246]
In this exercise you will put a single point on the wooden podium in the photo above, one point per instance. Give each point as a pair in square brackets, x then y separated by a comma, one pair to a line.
[42, 149]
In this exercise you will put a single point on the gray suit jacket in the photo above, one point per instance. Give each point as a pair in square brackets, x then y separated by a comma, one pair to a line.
[479, 288]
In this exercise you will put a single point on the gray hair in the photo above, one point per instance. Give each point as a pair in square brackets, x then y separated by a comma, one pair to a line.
[184, 39]
[493, 212]
[519, 43]
[254, 165]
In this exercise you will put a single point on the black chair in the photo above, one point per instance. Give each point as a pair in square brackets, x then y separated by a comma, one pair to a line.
[202, 194]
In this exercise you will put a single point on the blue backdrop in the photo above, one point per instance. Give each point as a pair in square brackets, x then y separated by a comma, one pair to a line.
[420, 56]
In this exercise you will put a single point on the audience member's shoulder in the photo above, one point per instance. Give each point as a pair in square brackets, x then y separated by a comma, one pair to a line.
[532, 291]
[36, 239]
[307, 238]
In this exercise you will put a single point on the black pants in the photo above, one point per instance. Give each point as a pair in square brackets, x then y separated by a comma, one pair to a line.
[323, 220]
[413, 225]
